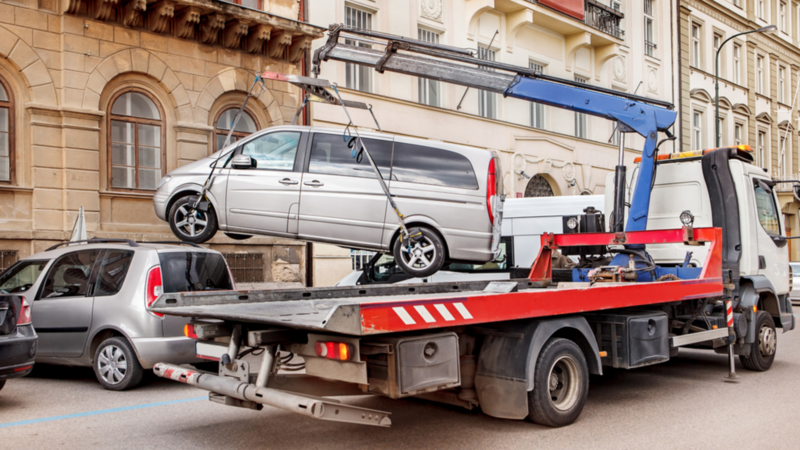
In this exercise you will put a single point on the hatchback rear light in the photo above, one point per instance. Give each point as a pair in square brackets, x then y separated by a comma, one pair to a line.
[491, 189]
[24, 314]
[334, 350]
[155, 287]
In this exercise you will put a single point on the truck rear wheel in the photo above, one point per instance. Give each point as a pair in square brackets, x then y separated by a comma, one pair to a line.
[762, 351]
[561, 384]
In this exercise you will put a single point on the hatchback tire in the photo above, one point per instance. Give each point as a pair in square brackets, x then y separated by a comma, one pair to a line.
[116, 366]
[423, 258]
[190, 225]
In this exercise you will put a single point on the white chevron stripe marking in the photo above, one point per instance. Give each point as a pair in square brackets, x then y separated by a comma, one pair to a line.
[404, 315]
[426, 316]
[444, 312]
[462, 310]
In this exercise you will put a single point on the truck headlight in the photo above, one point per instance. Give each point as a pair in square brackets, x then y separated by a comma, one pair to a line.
[572, 223]
[687, 219]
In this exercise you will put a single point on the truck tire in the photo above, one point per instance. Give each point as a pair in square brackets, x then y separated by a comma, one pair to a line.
[424, 258]
[561, 384]
[116, 366]
[191, 226]
[762, 351]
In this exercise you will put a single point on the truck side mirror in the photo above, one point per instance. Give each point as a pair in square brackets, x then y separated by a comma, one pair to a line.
[780, 241]
[243, 162]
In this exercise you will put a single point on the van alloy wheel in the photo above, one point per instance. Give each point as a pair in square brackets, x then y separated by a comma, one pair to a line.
[190, 221]
[421, 255]
[112, 364]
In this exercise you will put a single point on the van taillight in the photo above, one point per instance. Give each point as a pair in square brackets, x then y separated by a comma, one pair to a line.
[24, 314]
[154, 288]
[491, 189]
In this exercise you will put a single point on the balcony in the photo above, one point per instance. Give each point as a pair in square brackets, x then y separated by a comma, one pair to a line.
[603, 18]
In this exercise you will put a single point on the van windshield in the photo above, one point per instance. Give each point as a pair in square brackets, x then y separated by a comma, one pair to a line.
[194, 271]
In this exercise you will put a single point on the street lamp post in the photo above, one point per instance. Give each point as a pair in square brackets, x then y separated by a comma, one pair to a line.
[767, 29]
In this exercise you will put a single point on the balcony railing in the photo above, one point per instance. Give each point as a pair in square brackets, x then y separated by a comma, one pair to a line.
[604, 19]
[649, 48]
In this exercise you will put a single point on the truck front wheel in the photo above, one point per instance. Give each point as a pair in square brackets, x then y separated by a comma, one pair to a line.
[762, 351]
[561, 384]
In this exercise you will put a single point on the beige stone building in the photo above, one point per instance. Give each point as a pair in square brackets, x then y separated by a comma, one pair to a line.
[758, 85]
[99, 99]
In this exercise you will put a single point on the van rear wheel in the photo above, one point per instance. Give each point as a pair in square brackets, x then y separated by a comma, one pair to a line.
[421, 258]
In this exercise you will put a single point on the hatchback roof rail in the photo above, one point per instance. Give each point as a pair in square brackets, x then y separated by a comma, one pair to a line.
[95, 241]
[174, 243]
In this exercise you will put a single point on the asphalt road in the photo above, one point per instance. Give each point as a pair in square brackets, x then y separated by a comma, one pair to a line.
[681, 404]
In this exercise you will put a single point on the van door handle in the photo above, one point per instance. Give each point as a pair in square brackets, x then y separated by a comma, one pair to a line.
[314, 183]
[288, 181]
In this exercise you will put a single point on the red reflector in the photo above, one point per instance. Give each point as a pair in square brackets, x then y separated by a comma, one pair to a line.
[334, 350]
[22, 369]
[154, 288]
[491, 189]
[188, 331]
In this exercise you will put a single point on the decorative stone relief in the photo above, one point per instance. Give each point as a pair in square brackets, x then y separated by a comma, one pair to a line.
[234, 30]
[102, 8]
[256, 38]
[159, 15]
[132, 13]
[652, 80]
[619, 69]
[186, 20]
[299, 45]
[431, 9]
[210, 26]
[278, 43]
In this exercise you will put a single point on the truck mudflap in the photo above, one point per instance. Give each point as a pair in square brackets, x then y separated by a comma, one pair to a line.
[315, 407]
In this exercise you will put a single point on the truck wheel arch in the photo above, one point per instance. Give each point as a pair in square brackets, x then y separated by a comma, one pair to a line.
[507, 360]
[766, 300]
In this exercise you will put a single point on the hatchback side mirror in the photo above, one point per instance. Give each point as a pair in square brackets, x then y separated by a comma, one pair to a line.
[243, 162]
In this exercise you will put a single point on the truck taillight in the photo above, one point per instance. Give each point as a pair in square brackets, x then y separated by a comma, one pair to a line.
[334, 350]
[491, 189]
[188, 331]
[154, 288]
[24, 314]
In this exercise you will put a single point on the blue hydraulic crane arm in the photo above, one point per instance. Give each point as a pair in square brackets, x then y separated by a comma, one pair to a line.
[645, 119]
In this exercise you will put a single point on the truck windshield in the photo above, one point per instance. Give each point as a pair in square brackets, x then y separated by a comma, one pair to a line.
[194, 271]
[21, 276]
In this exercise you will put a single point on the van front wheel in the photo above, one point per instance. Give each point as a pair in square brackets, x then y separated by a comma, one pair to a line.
[420, 257]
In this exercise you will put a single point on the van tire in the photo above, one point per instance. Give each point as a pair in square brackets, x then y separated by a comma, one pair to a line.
[178, 217]
[762, 351]
[429, 244]
[561, 384]
[117, 349]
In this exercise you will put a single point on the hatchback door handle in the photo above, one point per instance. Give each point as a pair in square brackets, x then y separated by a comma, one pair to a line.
[314, 183]
[288, 181]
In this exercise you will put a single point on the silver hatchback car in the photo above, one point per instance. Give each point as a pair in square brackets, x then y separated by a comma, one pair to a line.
[309, 183]
[89, 304]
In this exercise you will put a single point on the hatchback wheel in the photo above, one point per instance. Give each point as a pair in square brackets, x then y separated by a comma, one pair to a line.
[191, 225]
[116, 365]
[422, 258]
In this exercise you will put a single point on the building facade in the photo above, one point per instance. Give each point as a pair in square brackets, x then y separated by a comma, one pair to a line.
[622, 45]
[758, 85]
[99, 99]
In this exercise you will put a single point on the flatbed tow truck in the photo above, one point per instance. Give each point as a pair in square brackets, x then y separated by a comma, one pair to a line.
[522, 348]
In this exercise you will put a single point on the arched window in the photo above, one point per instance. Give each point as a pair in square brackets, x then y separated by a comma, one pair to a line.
[136, 143]
[246, 126]
[6, 133]
[538, 187]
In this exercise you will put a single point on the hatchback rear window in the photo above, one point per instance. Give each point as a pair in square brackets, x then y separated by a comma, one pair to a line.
[429, 165]
[194, 271]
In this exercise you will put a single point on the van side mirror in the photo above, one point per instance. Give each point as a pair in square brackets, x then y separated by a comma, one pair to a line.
[243, 162]
[780, 241]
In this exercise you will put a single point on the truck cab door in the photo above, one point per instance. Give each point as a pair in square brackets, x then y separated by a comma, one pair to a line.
[773, 253]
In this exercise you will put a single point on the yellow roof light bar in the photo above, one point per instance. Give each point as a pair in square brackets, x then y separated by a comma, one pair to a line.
[693, 154]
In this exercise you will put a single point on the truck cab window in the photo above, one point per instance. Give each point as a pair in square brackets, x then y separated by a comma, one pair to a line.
[767, 211]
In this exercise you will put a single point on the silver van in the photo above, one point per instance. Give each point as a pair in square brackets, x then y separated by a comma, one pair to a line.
[308, 183]
[89, 304]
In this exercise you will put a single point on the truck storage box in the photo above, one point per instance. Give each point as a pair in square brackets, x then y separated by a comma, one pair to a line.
[631, 339]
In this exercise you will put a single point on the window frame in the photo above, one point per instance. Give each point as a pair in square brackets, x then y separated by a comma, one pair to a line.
[424, 85]
[537, 109]
[239, 134]
[11, 133]
[761, 150]
[782, 16]
[581, 120]
[781, 84]
[356, 69]
[160, 123]
[759, 75]
[487, 101]
[737, 63]
[696, 44]
[697, 129]
[738, 127]
[650, 45]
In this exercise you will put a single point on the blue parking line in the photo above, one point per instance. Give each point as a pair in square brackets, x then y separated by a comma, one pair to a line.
[100, 411]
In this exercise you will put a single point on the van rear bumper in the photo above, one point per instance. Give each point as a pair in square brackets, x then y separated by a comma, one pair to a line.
[175, 350]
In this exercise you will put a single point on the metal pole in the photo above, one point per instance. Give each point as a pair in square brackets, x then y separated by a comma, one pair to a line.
[266, 366]
[458, 108]
[731, 377]
[619, 184]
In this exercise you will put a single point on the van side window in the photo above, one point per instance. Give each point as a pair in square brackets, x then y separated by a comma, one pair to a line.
[428, 165]
[331, 155]
[274, 151]
[767, 211]
[69, 276]
[112, 272]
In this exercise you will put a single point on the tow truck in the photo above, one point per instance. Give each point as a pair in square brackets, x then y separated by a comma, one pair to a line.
[522, 348]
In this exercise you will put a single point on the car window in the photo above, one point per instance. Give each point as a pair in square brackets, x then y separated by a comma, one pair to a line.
[194, 271]
[112, 272]
[274, 151]
[767, 211]
[21, 276]
[331, 155]
[69, 275]
[429, 165]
